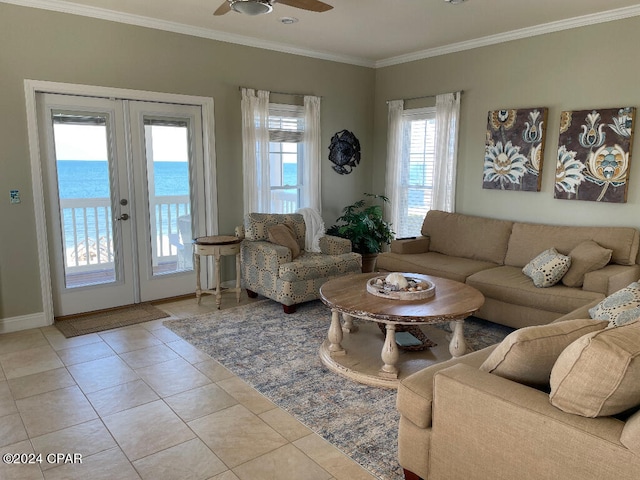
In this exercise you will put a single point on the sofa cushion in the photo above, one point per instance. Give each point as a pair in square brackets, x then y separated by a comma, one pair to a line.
[620, 307]
[548, 268]
[527, 240]
[527, 355]
[432, 263]
[599, 374]
[283, 234]
[585, 257]
[466, 236]
[510, 285]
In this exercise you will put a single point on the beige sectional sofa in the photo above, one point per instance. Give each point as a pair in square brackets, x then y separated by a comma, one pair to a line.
[460, 421]
[489, 255]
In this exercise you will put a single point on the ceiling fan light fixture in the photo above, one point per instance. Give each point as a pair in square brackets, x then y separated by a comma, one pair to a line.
[251, 7]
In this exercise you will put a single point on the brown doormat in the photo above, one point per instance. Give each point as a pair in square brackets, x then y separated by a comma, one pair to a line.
[98, 322]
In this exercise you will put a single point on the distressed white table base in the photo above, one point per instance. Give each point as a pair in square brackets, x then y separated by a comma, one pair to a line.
[360, 359]
[390, 354]
[458, 345]
[216, 251]
[348, 326]
[336, 354]
[335, 335]
[352, 352]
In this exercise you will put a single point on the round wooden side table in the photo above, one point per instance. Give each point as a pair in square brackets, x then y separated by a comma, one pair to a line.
[218, 246]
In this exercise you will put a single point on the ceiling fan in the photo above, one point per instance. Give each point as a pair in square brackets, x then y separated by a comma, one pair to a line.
[258, 7]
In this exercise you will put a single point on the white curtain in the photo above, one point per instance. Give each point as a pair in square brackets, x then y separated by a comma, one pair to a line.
[394, 161]
[443, 195]
[312, 153]
[255, 150]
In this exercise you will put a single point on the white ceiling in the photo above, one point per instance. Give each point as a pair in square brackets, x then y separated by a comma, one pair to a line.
[362, 32]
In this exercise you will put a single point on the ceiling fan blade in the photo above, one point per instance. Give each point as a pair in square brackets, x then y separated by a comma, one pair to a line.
[222, 9]
[311, 5]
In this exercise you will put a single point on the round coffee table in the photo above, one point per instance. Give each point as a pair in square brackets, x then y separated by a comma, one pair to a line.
[348, 296]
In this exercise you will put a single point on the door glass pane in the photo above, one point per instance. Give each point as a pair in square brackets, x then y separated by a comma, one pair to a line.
[82, 164]
[167, 154]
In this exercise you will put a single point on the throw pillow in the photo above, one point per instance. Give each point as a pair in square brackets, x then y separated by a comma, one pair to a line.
[585, 257]
[283, 234]
[620, 307]
[527, 355]
[599, 374]
[547, 268]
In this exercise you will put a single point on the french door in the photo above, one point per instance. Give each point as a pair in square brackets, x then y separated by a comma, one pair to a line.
[122, 200]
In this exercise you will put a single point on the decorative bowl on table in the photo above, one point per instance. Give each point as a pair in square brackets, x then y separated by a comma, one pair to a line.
[400, 286]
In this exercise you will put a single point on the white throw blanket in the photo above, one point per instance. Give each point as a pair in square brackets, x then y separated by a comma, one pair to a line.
[314, 229]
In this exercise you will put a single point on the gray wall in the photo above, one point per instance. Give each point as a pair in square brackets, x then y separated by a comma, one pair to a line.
[589, 67]
[40, 45]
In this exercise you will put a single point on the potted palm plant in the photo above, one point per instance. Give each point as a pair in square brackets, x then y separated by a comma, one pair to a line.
[362, 222]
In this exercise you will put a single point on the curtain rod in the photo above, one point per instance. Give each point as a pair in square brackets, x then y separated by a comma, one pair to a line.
[424, 96]
[281, 93]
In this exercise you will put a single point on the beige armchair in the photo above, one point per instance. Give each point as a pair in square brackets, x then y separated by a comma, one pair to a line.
[269, 269]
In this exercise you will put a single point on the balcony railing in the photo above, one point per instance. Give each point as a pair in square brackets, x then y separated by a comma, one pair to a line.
[88, 235]
[284, 201]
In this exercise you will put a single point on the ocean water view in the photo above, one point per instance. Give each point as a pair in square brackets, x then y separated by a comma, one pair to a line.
[90, 179]
[89, 226]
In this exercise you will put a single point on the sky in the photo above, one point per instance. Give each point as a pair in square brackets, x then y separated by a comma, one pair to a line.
[88, 142]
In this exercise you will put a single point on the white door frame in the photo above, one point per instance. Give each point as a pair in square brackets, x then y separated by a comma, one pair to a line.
[31, 87]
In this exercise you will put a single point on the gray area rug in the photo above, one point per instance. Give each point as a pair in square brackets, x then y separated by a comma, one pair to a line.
[278, 355]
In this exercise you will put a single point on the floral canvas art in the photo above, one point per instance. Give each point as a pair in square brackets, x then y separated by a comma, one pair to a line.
[594, 154]
[514, 149]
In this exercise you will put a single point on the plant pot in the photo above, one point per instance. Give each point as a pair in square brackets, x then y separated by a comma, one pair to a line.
[369, 262]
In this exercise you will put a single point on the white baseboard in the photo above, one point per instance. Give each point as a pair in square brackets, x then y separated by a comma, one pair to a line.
[23, 322]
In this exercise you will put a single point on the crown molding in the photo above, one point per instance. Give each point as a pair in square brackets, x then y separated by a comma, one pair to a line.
[543, 29]
[141, 21]
[174, 27]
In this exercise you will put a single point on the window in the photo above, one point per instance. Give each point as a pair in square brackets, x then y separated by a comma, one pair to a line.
[286, 157]
[280, 154]
[416, 170]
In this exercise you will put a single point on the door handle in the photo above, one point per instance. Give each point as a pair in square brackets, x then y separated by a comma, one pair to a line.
[124, 216]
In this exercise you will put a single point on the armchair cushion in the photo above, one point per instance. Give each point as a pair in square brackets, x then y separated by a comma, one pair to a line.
[256, 225]
[310, 266]
[283, 234]
[527, 355]
[599, 374]
[331, 245]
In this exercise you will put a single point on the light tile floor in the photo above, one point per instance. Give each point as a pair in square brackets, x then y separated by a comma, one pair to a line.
[139, 402]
